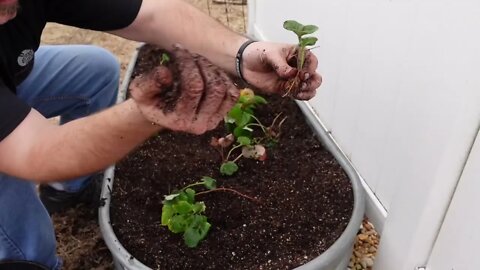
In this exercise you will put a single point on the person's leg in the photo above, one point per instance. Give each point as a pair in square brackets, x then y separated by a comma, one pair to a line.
[26, 230]
[72, 81]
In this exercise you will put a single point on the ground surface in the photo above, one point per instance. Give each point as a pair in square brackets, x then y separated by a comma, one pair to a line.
[80, 243]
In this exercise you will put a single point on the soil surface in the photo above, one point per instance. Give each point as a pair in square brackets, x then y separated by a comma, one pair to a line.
[306, 199]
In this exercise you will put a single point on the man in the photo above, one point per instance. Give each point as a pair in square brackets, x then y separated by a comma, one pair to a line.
[77, 82]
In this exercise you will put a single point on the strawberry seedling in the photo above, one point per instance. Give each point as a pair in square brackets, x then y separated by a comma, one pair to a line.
[241, 122]
[181, 213]
[300, 31]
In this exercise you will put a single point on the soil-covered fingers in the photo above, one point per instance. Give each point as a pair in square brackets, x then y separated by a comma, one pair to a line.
[308, 87]
[215, 91]
[191, 88]
[310, 80]
[280, 61]
[145, 88]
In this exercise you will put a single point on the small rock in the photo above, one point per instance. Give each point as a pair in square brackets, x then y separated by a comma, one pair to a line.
[362, 237]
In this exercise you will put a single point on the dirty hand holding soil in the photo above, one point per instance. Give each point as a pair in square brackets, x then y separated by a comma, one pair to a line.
[189, 94]
[271, 67]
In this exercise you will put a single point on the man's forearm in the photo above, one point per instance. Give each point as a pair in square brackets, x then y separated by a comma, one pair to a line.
[79, 147]
[165, 22]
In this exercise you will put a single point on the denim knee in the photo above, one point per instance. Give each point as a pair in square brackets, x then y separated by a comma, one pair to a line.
[26, 230]
[104, 68]
[104, 63]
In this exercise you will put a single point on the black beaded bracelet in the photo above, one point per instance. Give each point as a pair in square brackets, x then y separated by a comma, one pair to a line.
[238, 59]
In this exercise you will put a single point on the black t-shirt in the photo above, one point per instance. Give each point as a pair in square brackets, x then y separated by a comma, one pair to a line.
[20, 38]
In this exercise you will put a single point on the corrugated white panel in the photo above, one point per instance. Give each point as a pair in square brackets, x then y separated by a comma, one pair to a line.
[439, 111]
[457, 244]
[401, 95]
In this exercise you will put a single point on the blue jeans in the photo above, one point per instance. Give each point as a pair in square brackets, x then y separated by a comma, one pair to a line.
[67, 81]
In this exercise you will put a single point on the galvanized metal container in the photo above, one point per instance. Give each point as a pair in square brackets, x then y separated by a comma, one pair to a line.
[334, 258]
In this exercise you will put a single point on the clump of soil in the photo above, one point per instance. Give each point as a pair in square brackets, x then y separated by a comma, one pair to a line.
[306, 199]
[169, 76]
[152, 67]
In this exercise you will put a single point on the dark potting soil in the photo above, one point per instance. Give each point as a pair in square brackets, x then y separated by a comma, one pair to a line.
[306, 199]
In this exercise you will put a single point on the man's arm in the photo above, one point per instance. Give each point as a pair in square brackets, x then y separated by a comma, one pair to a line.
[41, 151]
[265, 64]
[167, 22]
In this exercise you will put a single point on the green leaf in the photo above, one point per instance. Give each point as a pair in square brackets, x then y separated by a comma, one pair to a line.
[260, 100]
[244, 99]
[229, 120]
[309, 29]
[293, 26]
[182, 196]
[171, 196]
[244, 140]
[249, 110]
[196, 232]
[308, 41]
[179, 223]
[209, 182]
[183, 207]
[236, 112]
[190, 195]
[167, 213]
[241, 132]
[199, 207]
[165, 59]
[244, 120]
[228, 168]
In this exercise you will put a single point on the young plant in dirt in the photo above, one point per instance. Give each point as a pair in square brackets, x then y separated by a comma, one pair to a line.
[240, 122]
[300, 31]
[181, 213]
[165, 58]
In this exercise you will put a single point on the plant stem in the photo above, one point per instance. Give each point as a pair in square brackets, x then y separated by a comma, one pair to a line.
[301, 58]
[237, 158]
[259, 123]
[231, 150]
[256, 125]
[229, 190]
[192, 185]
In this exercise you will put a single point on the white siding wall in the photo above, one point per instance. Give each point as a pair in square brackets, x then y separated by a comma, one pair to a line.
[401, 95]
[457, 244]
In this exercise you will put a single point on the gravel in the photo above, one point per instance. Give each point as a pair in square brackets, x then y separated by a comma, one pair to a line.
[365, 248]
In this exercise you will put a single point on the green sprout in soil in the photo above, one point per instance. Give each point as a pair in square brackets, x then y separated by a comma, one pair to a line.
[165, 59]
[300, 31]
[241, 122]
[181, 213]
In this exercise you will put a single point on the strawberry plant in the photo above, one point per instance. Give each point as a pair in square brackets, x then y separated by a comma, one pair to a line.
[181, 213]
[300, 31]
[241, 122]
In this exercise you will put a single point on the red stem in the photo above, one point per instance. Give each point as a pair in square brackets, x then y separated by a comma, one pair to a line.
[229, 190]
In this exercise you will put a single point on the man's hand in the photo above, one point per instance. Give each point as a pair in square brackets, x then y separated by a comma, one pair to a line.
[268, 66]
[206, 94]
